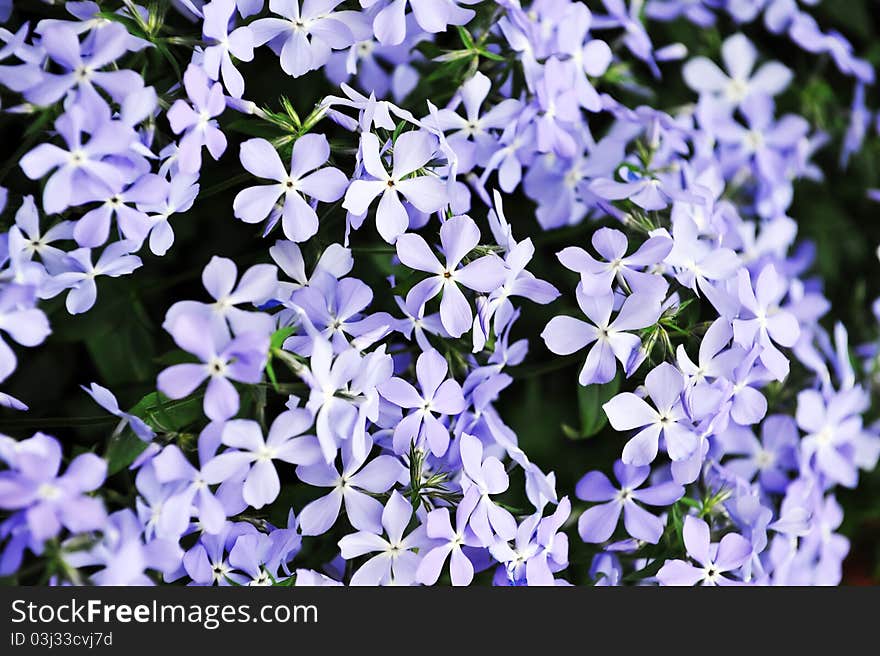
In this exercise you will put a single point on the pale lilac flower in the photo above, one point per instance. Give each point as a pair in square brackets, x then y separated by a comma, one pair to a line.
[470, 135]
[432, 16]
[123, 556]
[299, 220]
[426, 192]
[771, 459]
[762, 322]
[438, 395]
[396, 561]
[222, 360]
[93, 228]
[198, 121]
[256, 286]
[83, 64]
[190, 495]
[115, 260]
[351, 486]
[739, 83]
[458, 236]
[627, 411]
[36, 242]
[539, 548]
[82, 163]
[833, 428]
[48, 500]
[597, 523]
[488, 520]
[27, 326]
[564, 335]
[439, 527]
[597, 277]
[107, 400]
[303, 39]
[590, 57]
[181, 196]
[698, 12]
[255, 454]
[714, 559]
[217, 58]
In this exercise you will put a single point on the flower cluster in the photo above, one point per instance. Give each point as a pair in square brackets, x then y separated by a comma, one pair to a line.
[343, 391]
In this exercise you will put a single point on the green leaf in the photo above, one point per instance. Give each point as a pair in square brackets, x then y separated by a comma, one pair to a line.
[122, 451]
[163, 414]
[591, 398]
[279, 336]
[466, 38]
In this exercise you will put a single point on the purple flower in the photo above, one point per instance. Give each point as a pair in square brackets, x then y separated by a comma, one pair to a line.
[556, 97]
[698, 12]
[357, 476]
[37, 242]
[207, 562]
[805, 32]
[104, 46]
[81, 166]
[115, 260]
[714, 559]
[438, 395]
[471, 138]
[396, 561]
[181, 195]
[122, 556]
[439, 527]
[648, 190]
[635, 35]
[739, 55]
[336, 261]
[701, 265]
[591, 57]
[285, 442]
[299, 220]
[426, 192]
[222, 359]
[257, 285]
[334, 308]
[458, 236]
[416, 323]
[217, 58]
[597, 277]
[198, 121]
[107, 400]
[564, 335]
[762, 322]
[93, 228]
[597, 524]
[433, 16]
[487, 520]
[833, 427]
[255, 556]
[303, 39]
[27, 326]
[50, 501]
[766, 142]
[627, 411]
[339, 418]
[771, 459]
[189, 495]
[539, 548]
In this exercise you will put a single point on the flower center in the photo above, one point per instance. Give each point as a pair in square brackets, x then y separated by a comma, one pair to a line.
[48, 492]
[217, 367]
